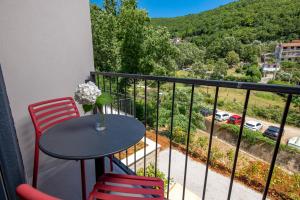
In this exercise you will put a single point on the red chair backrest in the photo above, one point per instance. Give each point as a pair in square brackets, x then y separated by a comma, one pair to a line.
[46, 114]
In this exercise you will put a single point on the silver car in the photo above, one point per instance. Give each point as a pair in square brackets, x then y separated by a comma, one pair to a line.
[294, 142]
[253, 125]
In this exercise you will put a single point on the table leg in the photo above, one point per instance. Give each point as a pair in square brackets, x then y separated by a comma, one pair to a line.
[99, 167]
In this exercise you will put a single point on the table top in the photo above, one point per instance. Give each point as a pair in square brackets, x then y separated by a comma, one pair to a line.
[77, 139]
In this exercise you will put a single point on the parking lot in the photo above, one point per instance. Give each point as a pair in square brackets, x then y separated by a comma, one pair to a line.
[289, 131]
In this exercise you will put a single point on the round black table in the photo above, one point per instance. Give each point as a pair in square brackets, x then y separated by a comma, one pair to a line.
[78, 139]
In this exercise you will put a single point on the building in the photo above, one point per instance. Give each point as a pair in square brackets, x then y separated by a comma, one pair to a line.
[288, 51]
[269, 64]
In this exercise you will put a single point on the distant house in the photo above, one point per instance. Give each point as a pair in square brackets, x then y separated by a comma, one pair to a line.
[270, 68]
[269, 64]
[288, 51]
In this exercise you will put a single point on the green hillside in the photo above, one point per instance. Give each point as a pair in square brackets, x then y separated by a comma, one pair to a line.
[246, 20]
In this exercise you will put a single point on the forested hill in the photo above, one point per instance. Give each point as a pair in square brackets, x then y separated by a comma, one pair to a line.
[246, 20]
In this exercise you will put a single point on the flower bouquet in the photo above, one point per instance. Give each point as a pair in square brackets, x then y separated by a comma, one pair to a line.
[91, 97]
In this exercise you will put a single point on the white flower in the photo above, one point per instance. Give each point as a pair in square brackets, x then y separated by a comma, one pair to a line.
[87, 93]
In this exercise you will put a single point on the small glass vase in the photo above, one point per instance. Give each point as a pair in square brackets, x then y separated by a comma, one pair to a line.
[100, 123]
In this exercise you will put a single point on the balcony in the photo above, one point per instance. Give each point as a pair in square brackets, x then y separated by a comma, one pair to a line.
[190, 172]
[179, 160]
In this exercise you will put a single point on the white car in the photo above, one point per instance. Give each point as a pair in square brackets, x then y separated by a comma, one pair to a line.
[294, 142]
[253, 125]
[222, 116]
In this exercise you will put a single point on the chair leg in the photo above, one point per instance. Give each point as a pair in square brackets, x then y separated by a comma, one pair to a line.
[83, 183]
[35, 166]
[111, 163]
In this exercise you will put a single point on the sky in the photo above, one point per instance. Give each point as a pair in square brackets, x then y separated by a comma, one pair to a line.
[174, 8]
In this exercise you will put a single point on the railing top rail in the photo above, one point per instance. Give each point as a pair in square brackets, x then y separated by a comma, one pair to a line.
[216, 83]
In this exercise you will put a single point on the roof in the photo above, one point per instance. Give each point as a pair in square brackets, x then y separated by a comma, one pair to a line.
[252, 122]
[236, 116]
[221, 113]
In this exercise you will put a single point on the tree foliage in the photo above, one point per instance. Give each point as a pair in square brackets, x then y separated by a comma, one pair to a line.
[105, 43]
[246, 20]
[232, 58]
[124, 40]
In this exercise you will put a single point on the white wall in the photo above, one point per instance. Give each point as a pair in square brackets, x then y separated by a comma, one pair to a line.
[45, 51]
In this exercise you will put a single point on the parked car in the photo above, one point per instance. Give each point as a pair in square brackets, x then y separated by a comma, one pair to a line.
[234, 119]
[253, 125]
[272, 132]
[222, 116]
[206, 111]
[294, 142]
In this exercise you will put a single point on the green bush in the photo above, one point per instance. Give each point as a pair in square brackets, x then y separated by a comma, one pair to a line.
[216, 154]
[238, 70]
[150, 172]
[202, 142]
[278, 82]
[230, 155]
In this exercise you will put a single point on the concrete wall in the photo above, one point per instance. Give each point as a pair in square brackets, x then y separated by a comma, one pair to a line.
[45, 51]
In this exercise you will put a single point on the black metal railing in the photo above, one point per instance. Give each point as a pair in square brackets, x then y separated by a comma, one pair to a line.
[248, 87]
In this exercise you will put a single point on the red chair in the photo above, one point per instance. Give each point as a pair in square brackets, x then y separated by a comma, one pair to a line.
[127, 187]
[26, 192]
[110, 186]
[46, 114]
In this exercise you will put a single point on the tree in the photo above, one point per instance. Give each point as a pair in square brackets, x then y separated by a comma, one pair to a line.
[254, 72]
[232, 58]
[124, 40]
[249, 53]
[110, 6]
[202, 70]
[189, 53]
[229, 44]
[220, 70]
[105, 44]
[158, 52]
[132, 22]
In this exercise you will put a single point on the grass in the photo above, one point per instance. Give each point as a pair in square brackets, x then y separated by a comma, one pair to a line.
[262, 105]
[238, 96]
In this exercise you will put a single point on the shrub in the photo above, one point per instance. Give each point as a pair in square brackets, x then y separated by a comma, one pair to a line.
[202, 142]
[238, 70]
[150, 172]
[216, 155]
[230, 155]
[278, 82]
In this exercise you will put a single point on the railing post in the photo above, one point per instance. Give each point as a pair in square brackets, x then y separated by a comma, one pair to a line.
[188, 141]
[171, 138]
[156, 129]
[273, 162]
[93, 79]
[238, 143]
[210, 142]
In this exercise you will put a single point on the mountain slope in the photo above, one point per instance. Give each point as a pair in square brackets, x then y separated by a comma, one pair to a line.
[246, 20]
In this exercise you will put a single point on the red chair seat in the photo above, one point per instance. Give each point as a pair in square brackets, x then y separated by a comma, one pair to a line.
[127, 187]
[109, 186]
